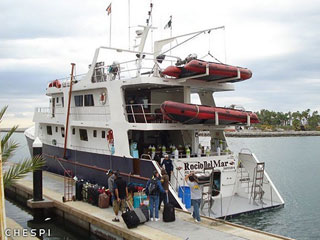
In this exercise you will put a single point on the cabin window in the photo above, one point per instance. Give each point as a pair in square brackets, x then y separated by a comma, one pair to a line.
[103, 134]
[56, 129]
[94, 133]
[62, 101]
[62, 132]
[73, 131]
[83, 134]
[78, 100]
[49, 130]
[88, 100]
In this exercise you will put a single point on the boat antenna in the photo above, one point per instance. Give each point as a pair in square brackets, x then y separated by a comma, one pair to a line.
[149, 22]
[129, 27]
[149, 19]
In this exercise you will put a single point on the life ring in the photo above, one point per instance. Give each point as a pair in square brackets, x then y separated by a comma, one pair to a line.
[110, 136]
[103, 98]
[56, 83]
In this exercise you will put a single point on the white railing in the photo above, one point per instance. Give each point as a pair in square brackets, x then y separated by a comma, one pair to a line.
[75, 111]
[43, 110]
[65, 81]
[145, 113]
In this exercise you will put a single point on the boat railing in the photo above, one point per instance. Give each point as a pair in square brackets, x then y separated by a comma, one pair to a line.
[145, 113]
[75, 111]
[42, 110]
[129, 69]
[65, 81]
[211, 154]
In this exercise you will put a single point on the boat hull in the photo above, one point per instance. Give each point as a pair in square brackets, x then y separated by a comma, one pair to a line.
[92, 166]
[197, 114]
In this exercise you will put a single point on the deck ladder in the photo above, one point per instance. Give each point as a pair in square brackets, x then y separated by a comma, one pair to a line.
[257, 185]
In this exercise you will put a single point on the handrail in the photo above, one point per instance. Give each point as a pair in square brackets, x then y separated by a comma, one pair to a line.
[157, 165]
[176, 177]
[147, 155]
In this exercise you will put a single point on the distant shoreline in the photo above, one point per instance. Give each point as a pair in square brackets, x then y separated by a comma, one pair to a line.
[19, 130]
[252, 134]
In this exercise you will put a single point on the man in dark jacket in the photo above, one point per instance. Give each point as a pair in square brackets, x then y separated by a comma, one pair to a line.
[167, 162]
[153, 190]
[120, 196]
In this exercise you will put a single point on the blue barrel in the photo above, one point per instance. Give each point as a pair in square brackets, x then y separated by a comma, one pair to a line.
[184, 193]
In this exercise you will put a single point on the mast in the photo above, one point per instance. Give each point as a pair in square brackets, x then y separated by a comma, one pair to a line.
[68, 112]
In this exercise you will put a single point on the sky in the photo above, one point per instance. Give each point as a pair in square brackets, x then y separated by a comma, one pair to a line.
[278, 40]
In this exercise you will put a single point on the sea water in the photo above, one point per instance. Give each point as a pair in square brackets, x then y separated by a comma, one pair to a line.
[293, 163]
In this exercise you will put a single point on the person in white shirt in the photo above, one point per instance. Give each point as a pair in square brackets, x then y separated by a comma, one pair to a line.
[195, 190]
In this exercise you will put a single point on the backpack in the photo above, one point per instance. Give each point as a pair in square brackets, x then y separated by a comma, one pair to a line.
[153, 187]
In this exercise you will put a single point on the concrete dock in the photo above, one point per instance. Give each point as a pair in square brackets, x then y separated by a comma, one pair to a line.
[99, 221]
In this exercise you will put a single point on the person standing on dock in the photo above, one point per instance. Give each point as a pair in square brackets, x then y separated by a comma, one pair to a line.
[153, 190]
[165, 184]
[111, 178]
[195, 190]
[121, 194]
[167, 162]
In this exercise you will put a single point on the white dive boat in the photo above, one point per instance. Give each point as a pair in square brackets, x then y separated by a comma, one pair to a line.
[110, 118]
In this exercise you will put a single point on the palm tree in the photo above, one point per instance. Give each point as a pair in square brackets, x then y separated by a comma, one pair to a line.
[20, 169]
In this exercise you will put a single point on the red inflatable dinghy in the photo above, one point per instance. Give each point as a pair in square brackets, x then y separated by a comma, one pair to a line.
[196, 114]
[217, 71]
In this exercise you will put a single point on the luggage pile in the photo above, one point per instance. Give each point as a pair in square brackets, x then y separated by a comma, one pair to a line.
[93, 193]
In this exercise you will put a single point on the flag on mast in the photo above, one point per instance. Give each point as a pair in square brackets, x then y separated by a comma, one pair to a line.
[109, 9]
[169, 24]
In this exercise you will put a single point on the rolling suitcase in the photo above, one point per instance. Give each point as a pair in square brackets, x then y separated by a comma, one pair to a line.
[145, 211]
[104, 200]
[95, 195]
[130, 218]
[138, 211]
[85, 192]
[79, 186]
[140, 214]
[168, 212]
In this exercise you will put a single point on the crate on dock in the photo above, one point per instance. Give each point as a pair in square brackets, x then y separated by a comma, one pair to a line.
[68, 186]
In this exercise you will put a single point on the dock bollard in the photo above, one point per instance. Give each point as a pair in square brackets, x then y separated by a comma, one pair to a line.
[38, 203]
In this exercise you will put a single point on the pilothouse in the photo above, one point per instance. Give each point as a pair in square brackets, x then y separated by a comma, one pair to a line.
[130, 109]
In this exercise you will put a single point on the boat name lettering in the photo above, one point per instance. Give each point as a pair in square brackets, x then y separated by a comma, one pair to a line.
[205, 164]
